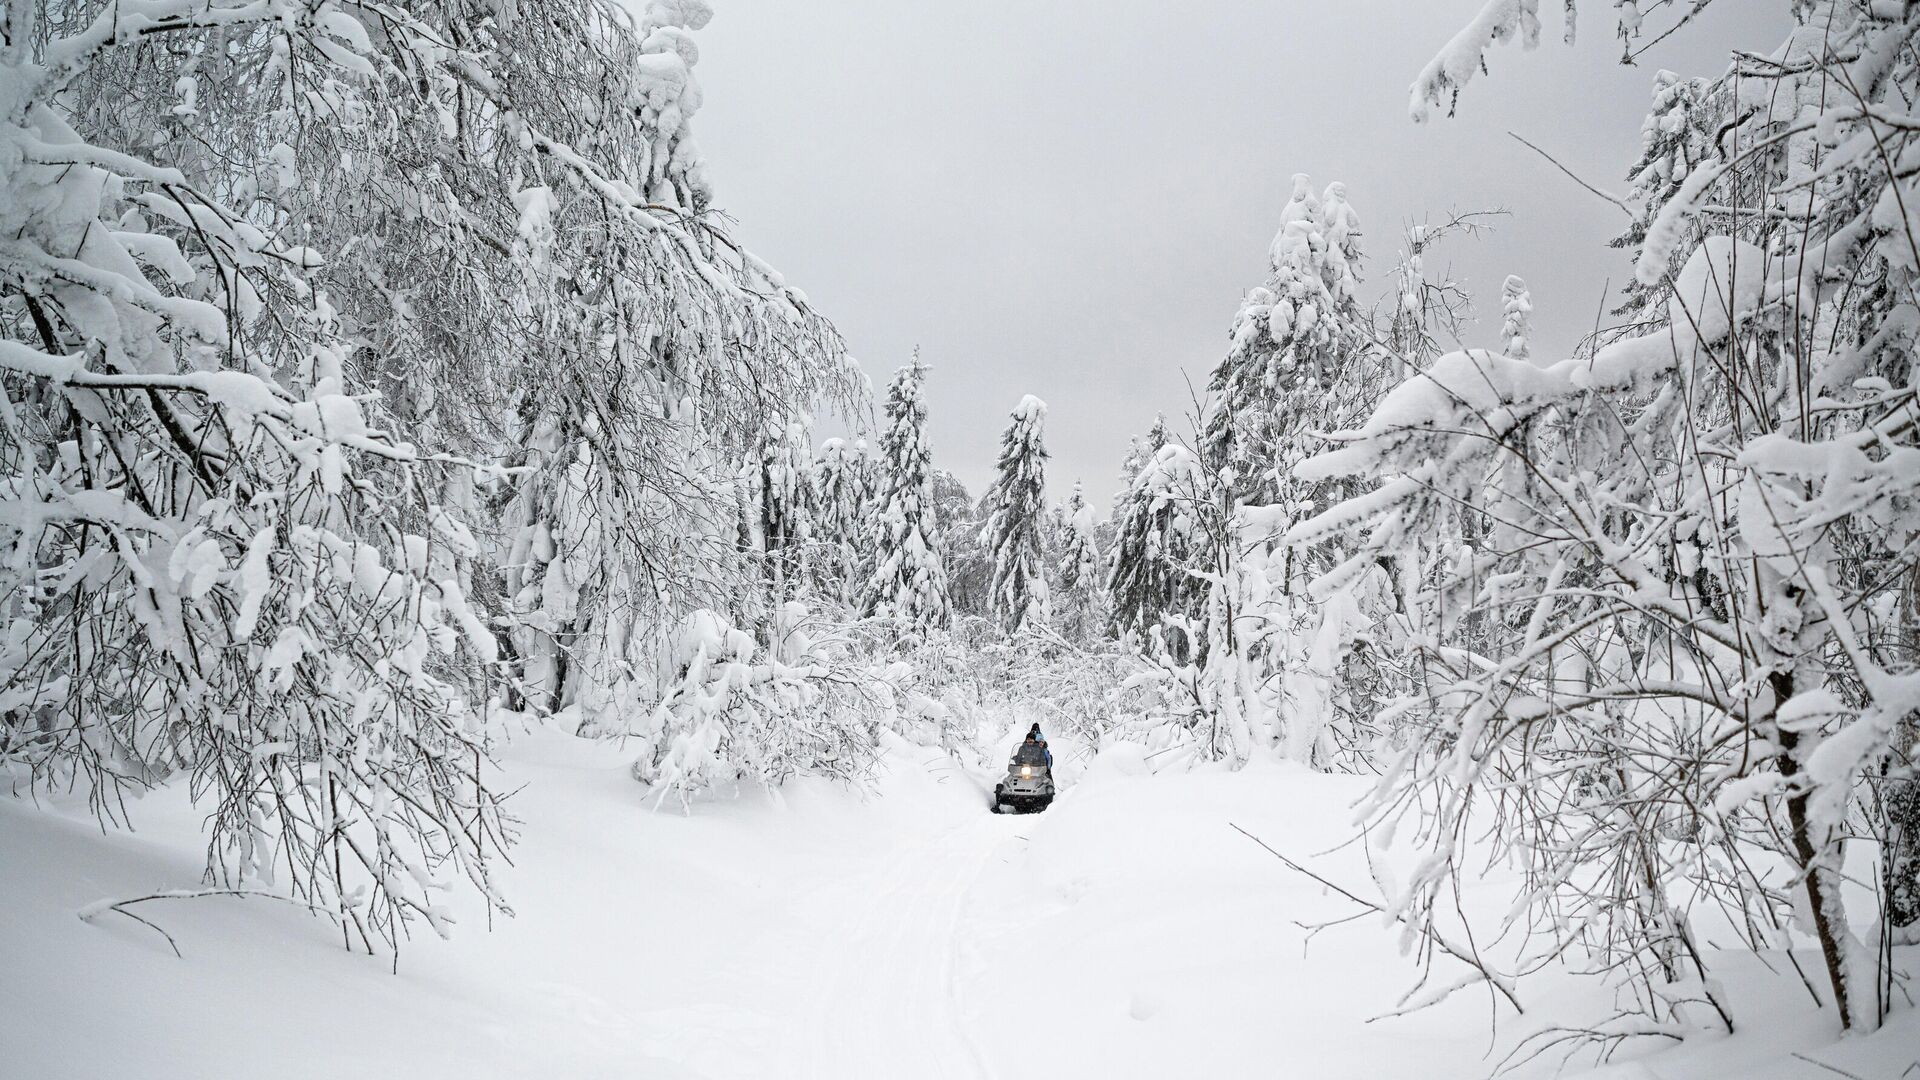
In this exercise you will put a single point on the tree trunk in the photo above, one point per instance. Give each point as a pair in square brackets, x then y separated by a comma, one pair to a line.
[1821, 883]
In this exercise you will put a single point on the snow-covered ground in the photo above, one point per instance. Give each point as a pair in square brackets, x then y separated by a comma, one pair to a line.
[898, 932]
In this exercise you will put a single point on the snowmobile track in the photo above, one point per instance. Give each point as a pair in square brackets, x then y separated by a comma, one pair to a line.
[890, 1001]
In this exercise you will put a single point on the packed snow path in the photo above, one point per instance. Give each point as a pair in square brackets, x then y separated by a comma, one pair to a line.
[892, 966]
[899, 932]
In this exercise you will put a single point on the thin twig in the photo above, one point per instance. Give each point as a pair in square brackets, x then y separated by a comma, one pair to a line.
[1432, 935]
[1829, 1068]
[1614, 199]
[92, 911]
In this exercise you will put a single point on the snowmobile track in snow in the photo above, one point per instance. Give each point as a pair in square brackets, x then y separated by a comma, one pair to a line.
[889, 1001]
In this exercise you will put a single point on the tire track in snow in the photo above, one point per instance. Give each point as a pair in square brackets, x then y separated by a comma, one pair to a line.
[890, 997]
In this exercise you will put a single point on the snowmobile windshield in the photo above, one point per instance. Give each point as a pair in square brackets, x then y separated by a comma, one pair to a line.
[1029, 754]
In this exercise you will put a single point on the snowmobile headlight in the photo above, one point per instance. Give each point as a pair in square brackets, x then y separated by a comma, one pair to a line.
[1026, 771]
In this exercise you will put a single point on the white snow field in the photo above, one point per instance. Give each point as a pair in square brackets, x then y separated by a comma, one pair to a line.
[899, 932]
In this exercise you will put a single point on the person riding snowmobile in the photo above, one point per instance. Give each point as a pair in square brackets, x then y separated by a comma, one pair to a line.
[1033, 750]
[1034, 735]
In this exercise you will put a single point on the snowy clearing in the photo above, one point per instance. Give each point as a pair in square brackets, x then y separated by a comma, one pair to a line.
[1127, 932]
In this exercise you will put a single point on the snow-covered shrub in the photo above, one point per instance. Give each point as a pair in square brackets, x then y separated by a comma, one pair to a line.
[738, 710]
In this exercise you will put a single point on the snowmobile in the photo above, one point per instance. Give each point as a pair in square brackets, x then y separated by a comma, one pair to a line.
[1029, 782]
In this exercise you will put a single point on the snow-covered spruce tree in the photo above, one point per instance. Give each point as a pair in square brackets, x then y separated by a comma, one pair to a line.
[1516, 318]
[1154, 593]
[1140, 450]
[1079, 604]
[1703, 658]
[1016, 512]
[909, 583]
[216, 566]
[1294, 344]
[1302, 360]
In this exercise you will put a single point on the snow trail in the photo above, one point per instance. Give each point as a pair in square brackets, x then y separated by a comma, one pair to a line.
[891, 1002]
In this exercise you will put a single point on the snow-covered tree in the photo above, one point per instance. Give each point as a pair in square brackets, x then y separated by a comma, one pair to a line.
[1150, 582]
[1684, 679]
[963, 546]
[741, 710]
[840, 501]
[1298, 348]
[909, 581]
[1516, 318]
[216, 564]
[1078, 605]
[1302, 360]
[1140, 450]
[953, 505]
[787, 511]
[445, 363]
[1016, 509]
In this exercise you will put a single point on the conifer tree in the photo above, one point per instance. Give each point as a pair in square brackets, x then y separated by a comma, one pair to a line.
[1516, 321]
[1293, 342]
[1147, 579]
[1080, 555]
[909, 581]
[1017, 516]
[1140, 450]
[1079, 563]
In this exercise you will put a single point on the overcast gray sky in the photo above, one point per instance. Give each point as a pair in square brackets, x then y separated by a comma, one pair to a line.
[1069, 197]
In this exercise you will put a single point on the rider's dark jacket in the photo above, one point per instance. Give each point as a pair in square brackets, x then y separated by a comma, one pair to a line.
[1032, 753]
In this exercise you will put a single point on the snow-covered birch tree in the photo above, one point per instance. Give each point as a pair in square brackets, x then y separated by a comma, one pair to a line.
[441, 362]
[217, 564]
[1678, 666]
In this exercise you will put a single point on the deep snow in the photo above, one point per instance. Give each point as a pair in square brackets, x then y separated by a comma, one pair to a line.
[901, 931]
